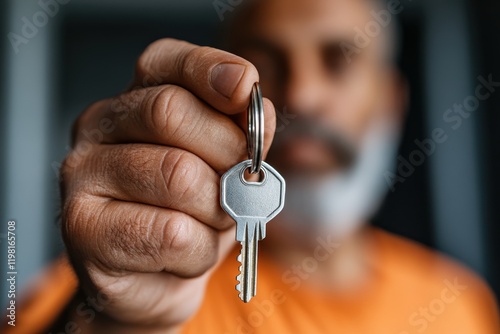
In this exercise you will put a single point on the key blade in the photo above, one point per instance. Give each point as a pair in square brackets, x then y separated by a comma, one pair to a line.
[247, 279]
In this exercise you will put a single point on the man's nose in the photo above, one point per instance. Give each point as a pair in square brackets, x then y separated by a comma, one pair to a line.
[306, 86]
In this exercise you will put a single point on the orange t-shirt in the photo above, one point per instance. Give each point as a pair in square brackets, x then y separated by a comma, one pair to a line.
[410, 290]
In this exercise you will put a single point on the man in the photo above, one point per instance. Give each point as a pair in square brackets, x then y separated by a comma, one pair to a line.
[155, 253]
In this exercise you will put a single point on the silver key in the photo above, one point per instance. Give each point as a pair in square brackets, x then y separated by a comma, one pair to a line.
[252, 205]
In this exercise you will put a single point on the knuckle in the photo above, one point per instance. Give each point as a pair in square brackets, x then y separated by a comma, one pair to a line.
[193, 59]
[76, 166]
[199, 249]
[84, 119]
[166, 117]
[180, 174]
[176, 234]
[72, 211]
[71, 172]
[153, 52]
[205, 57]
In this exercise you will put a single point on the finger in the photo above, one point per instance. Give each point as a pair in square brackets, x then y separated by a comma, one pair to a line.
[172, 116]
[131, 237]
[156, 175]
[219, 78]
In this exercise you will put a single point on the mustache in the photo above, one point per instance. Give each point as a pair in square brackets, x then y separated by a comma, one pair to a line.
[307, 127]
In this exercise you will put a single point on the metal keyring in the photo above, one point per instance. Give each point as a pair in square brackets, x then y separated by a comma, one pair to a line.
[255, 134]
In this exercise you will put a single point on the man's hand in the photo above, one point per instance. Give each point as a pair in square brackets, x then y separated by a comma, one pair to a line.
[141, 216]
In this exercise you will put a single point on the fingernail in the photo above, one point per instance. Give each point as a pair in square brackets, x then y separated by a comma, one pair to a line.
[226, 77]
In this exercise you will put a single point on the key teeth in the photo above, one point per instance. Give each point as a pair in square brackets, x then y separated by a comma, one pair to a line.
[240, 287]
[239, 278]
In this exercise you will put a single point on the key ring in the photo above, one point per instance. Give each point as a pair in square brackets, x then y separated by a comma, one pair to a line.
[255, 134]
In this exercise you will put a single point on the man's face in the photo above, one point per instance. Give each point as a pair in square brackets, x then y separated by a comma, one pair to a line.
[297, 47]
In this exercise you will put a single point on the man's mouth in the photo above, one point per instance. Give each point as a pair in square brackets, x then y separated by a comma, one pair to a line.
[307, 146]
[306, 154]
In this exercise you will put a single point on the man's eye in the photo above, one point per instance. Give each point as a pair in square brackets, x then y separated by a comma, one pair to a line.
[335, 61]
[337, 66]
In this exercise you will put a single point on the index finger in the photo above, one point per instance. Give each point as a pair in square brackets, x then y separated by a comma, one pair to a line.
[219, 78]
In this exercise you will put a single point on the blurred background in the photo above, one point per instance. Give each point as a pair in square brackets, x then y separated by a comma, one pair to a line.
[87, 49]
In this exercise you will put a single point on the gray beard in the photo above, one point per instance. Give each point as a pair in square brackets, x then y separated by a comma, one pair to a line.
[339, 203]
